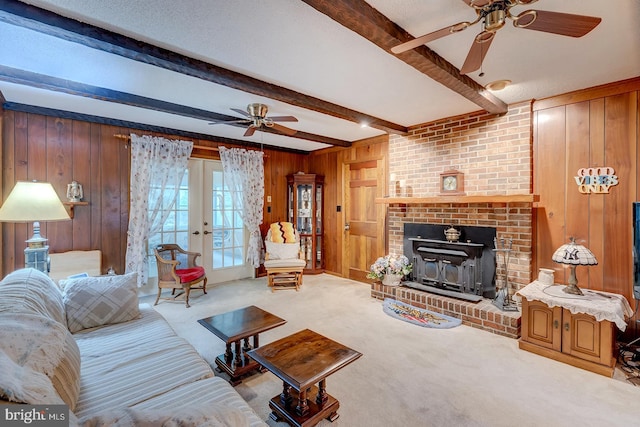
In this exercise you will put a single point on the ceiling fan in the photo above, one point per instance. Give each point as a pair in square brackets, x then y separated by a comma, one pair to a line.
[256, 118]
[493, 14]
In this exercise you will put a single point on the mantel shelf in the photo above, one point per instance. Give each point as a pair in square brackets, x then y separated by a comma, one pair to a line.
[496, 198]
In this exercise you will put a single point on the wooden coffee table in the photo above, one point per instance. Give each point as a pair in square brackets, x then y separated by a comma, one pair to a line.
[232, 328]
[301, 360]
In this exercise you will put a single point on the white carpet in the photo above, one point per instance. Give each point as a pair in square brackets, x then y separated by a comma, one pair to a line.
[410, 375]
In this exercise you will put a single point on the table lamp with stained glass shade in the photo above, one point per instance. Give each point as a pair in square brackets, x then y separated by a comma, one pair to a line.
[573, 254]
[34, 201]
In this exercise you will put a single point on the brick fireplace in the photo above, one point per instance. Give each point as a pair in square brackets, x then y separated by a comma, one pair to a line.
[494, 153]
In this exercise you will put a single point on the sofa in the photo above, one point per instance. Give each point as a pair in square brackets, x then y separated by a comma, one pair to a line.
[88, 343]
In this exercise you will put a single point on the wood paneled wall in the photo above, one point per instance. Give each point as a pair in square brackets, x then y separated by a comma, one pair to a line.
[37, 147]
[598, 127]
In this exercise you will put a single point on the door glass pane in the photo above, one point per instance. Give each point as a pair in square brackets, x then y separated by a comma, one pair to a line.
[176, 228]
[228, 227]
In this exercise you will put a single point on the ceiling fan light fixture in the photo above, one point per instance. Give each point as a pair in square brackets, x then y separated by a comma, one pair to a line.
[525, 19]
[495, 20]
[498, 85]
[257, 110]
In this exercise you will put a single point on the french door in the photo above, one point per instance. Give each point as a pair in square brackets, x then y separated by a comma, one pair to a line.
[204, 220]
[216, 228]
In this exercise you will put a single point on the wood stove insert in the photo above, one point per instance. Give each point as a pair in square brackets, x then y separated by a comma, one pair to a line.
[463, 269]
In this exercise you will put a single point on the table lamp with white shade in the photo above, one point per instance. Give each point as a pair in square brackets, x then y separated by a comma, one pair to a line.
[34, 201]
[573, 255]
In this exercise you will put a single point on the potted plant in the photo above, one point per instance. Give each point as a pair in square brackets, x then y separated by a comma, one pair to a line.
[391, 269]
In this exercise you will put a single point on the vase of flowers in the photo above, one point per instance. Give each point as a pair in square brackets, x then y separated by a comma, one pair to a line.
[391, 269]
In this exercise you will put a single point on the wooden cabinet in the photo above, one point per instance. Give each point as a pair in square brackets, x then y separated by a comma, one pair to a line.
[577, 339]
[305, 204]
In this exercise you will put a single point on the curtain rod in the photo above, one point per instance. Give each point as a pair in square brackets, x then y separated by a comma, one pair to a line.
[199, 147]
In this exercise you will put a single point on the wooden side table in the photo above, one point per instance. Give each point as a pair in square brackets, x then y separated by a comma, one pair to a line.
[234, 327]
[301, 360]
[558, 326]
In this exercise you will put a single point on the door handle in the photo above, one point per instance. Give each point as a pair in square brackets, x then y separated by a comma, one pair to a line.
[347, 226]
[205, 232]
[566, 326]
[196, 232]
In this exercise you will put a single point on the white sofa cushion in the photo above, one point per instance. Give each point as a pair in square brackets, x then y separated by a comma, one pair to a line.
[213, 415]
[31, 291]
[204, 392]
[98, 301]
[40, 344]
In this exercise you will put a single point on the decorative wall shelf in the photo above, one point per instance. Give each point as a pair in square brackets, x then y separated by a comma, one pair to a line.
[71, 205]
[496, 198]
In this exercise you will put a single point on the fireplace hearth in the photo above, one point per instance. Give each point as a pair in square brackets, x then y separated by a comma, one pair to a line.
[464, 269]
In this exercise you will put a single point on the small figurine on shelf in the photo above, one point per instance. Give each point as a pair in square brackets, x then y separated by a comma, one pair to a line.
[74, 192]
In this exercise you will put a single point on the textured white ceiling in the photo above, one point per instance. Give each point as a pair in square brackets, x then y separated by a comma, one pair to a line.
[290, 44]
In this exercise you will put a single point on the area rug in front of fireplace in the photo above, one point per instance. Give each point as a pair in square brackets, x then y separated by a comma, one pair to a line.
[418, 316]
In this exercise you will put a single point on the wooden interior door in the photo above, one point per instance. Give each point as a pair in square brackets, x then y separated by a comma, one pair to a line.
[364, 219]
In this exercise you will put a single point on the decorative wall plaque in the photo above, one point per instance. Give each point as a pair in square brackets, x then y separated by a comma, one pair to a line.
[596, 180]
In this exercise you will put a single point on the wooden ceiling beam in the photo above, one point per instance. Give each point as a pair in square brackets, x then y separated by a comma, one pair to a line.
[46, 22]
[41, 81]
[361, 18]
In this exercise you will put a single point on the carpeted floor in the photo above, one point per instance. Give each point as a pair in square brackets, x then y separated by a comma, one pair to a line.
[410, 375]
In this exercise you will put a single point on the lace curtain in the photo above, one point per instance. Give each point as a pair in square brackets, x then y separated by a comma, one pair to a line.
[244, 175]
[162, 162]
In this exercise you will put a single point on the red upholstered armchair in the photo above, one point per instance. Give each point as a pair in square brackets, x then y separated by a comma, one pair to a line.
[177, 269]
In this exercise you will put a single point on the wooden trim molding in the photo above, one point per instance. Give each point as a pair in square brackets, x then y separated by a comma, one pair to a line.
[497, 198]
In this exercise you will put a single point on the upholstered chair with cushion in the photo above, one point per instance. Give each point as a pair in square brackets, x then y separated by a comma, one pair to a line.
[284, 261]
[177, 269]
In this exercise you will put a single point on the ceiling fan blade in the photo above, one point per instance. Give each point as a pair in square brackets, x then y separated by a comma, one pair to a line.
[478, 4]
[282, 119]
[239, 111]
[478, 51]
[283, 129]
[564, 24]
[250, 131]
[225, 122]
[419, 41]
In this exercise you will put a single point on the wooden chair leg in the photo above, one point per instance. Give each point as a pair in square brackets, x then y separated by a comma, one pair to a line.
[204, 286]
[158, 298]
[187, 290]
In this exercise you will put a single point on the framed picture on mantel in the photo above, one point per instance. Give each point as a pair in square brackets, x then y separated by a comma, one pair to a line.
[451, 183]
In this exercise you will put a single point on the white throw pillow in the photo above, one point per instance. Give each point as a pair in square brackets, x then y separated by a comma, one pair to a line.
[282, 250]
[98, 301]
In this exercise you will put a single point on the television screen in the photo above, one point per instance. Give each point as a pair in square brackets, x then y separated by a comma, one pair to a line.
[636, 250]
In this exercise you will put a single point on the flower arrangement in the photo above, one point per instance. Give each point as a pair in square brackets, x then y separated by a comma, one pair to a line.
[390, 264]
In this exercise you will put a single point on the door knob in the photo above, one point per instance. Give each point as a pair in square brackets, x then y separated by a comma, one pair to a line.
[206, 232]
[196, 232]
[347, 226]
